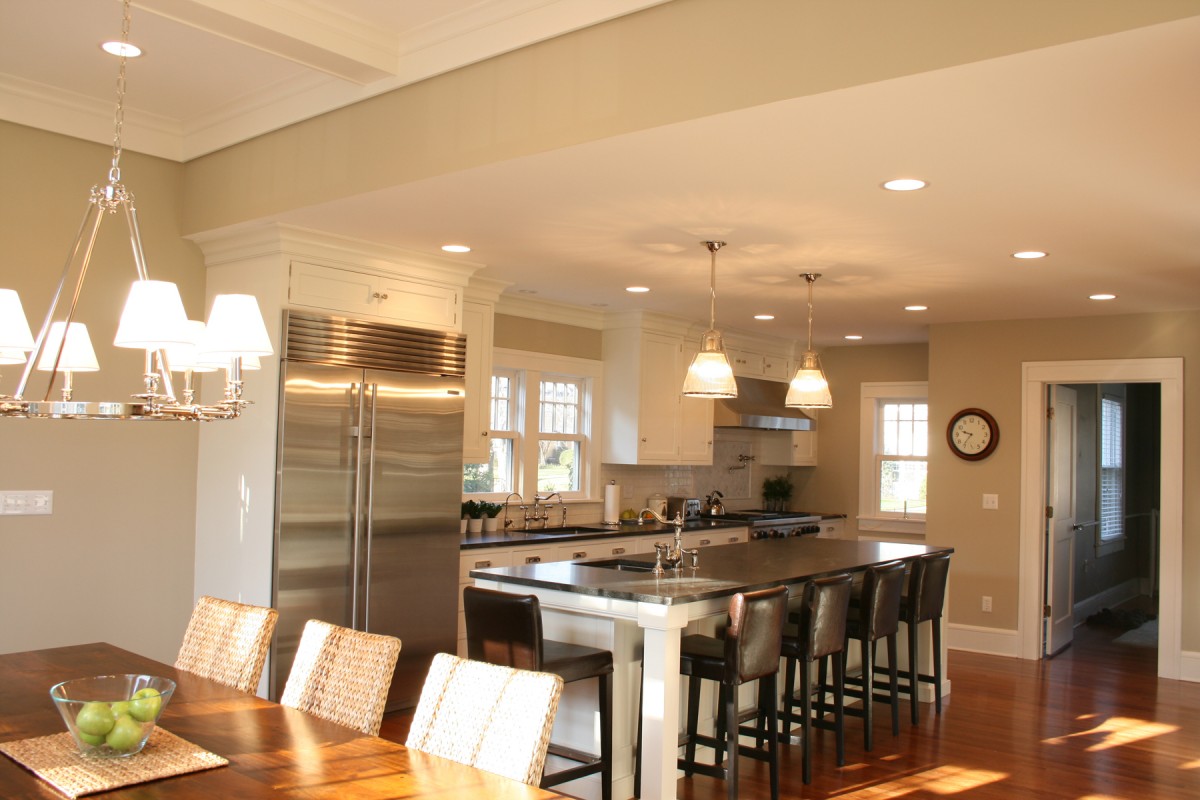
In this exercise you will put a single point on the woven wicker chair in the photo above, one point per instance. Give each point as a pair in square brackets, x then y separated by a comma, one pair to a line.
[227, 642]
[494, 718]
[342, 675]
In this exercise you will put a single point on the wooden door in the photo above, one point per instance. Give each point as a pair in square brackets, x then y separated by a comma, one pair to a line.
[1060, 526]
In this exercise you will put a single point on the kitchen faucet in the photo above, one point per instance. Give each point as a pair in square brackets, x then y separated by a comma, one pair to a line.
[543, 503]
[669, 555]
[508, 521]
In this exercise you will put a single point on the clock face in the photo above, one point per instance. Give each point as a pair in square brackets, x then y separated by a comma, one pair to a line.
[972, 434]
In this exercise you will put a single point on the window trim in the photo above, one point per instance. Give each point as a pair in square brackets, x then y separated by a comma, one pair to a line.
[870, 394]
[1106, 545]
[532, 367]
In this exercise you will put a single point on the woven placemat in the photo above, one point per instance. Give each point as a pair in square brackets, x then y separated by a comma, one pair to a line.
[56, 760]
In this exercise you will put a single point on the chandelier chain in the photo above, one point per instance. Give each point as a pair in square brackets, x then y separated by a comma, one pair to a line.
[114, 174]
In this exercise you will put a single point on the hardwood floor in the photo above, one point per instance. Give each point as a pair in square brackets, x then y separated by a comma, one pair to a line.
[1093, 723]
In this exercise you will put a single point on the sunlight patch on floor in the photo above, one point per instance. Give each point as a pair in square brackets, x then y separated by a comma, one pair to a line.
[1193, 764]
[1115, 732]
[945, 780]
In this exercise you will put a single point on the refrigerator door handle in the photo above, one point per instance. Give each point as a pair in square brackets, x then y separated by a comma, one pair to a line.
[370, 515]
[358, 398]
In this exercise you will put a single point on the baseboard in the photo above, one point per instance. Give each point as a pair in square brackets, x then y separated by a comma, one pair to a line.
[977, 639]
[1189, 666]
[1109, 598]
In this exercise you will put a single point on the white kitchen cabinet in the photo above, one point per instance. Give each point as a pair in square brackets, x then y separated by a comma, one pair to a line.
[477, 321]
[693, 539]
[391, 298]
[832, 529]
[647, 419]
[753, 364]
[596, 548]
[788, 448]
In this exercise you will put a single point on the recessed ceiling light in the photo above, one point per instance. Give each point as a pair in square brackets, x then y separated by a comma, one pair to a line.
[853, 336]
[637, 289]
[121, 49]
[764, 316]
[904, 184]
[916, 308]
[1029, 254]
[456, 248]
[1102, 297]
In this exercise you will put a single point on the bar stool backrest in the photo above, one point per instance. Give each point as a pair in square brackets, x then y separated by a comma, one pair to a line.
[927, 586]
[883, 586]
[823, 614]
[503, 628]
[754, 637]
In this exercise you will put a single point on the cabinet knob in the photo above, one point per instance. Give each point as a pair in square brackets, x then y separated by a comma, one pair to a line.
[533, 560]
[379, 296]
[485, 433]
[580, 554]
[618, 551]
[705, 542]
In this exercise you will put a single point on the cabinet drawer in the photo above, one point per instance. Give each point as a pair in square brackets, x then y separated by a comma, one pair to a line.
[398, 300]
[534, 555]
[595, 548]
[482, 558]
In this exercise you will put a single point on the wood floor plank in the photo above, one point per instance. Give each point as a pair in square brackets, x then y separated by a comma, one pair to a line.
[1094, 723]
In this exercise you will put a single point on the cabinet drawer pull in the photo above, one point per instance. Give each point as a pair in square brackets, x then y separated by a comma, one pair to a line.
[704, 542]
[482, 564]
[379, 296]
[579, 554]
[735, 539]
[618, 551]
[533, 559]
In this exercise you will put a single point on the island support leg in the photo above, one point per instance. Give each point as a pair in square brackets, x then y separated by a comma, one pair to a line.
[661, 626]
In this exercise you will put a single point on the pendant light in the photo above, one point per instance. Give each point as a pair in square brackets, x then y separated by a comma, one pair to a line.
[710, 374]
[153, 321]
[809, 388]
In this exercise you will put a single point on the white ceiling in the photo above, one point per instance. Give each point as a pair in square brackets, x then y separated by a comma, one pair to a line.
[1087, 150]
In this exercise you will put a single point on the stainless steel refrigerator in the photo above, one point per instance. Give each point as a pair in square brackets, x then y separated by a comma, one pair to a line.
[369, 483]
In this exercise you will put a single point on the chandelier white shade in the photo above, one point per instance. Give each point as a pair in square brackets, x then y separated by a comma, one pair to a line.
[77, 355]
[153, 317]
[710, 374]
[184, 357]
[15, 335]
[235, 329]
[809, 387]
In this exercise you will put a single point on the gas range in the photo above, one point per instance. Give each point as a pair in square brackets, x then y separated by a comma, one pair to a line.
[776, 524]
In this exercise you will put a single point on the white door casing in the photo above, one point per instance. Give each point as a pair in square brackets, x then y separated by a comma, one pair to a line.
[1035, 377]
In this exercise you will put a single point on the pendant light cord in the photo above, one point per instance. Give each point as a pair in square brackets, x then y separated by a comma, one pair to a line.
[811, 278]
[114, 174]
[713, 247]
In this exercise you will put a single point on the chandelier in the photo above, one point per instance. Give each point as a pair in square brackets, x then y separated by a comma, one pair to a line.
[153, 320]
[710, 374]
[809, 388]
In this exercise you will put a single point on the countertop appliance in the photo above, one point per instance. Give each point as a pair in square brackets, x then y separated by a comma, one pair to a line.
[776, 524]
[369, 473]
[687, 507]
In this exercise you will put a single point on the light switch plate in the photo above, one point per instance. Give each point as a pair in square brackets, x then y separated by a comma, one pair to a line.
[991, 501]
[27, 502]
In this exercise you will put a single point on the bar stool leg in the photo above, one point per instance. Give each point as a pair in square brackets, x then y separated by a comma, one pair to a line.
[789, 696]
[604, 696]
[771, 694]
[894, 684]
[693, 712]
[806, 715]
[730, 716]
[914, 675]
[868, 671]
[839, 704]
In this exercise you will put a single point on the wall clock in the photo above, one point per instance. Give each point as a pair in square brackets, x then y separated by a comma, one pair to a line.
[972, 434]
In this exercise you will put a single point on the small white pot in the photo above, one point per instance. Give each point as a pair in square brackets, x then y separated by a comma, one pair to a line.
[462, 525]
[474, 525]
[491, 524]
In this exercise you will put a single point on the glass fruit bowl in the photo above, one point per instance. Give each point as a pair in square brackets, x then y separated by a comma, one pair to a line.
[112, 716]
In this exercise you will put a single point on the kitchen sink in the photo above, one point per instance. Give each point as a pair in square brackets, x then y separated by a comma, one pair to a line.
[626, 564]
[570, 530]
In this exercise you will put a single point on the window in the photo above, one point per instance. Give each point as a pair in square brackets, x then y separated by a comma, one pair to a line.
[893, 457]
[1112, 468]
[540, 429]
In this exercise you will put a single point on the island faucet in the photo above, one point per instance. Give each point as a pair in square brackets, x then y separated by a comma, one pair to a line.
[668, 554]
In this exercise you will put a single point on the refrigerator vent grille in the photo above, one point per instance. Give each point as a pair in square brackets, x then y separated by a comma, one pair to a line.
[372, 345]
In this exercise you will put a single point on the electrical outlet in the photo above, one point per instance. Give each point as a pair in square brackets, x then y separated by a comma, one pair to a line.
[991, 501]
[987, 603]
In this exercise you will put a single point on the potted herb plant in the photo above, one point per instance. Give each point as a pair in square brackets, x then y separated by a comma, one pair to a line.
[777, 492]
[473, 514]
[490, 512]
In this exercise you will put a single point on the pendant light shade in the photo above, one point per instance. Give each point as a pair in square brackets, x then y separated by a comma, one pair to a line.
[77, 354]
[710, 374]
[14, 327]
[153, 317]
[809, 387]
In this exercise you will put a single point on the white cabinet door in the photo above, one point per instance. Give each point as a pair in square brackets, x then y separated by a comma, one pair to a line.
[694, 419]
[395, 299]
[789, 448]
[832, 529]
[776, 368]
[658, 420]
[745, 362]
[477, 325]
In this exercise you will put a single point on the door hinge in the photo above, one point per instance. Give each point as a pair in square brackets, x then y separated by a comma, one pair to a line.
[1050, 412]
[1046, 612]
[1049, 512]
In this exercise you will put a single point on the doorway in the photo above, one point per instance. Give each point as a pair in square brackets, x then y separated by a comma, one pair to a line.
[1036, 378]
[1103, 489]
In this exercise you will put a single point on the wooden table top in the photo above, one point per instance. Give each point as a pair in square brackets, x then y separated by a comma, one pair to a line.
[273, 751]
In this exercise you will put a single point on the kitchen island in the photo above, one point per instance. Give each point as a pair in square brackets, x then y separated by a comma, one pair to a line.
[619, 605]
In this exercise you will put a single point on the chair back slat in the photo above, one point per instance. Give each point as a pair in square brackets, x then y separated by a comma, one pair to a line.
[883, 586]
[928, 585]
[227, 642]
[503, 628]
[754, 637]
[823, 614]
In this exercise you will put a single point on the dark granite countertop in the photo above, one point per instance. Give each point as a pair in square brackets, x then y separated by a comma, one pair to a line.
[596, 530]
[723, 571]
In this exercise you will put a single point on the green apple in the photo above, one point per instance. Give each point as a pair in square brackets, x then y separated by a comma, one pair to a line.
[94, 741]
[125, 734]
[119, 708]
[145, 704]
[95, 719]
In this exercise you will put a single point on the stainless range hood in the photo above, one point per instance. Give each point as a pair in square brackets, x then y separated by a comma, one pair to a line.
[759, 405]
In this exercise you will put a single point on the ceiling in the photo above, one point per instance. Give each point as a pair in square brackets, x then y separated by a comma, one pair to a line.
[1086, 150]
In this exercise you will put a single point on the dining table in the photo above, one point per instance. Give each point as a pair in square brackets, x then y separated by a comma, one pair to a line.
[272, 751]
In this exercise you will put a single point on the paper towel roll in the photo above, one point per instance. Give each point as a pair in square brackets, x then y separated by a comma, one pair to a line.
[612, 503]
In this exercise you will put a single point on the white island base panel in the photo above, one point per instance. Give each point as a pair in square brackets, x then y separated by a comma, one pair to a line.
[630, 629]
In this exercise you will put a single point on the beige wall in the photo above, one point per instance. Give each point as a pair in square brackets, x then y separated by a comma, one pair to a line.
[979, 364]
[114, 561]
[538, 336]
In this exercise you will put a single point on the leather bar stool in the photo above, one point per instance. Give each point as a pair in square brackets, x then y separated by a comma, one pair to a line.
[750, 650]
[506, 629]
[922, 602]
[818, 634]
[875, 616]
